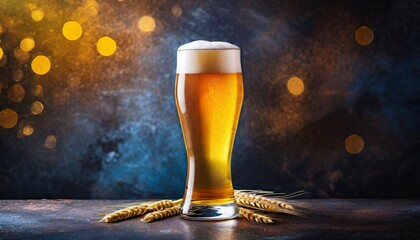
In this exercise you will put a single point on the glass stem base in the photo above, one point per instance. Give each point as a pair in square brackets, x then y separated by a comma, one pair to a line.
[209, 212]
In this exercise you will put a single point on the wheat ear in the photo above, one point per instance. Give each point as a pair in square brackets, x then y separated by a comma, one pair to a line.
[162, 204]
[126, 213]
[264, 203]
[160, 214]
[253, 216]
[135, 211]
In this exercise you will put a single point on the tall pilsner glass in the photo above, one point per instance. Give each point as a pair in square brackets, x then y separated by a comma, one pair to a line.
[209, 94]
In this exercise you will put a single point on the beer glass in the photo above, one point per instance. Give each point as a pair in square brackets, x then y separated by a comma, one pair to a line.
[209, 94]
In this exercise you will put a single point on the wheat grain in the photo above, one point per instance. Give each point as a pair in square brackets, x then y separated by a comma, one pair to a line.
[160, 214]
[253, 216]
[159, 205]
[263, 203]
[256, 204]
[126, 213]
[135, 211]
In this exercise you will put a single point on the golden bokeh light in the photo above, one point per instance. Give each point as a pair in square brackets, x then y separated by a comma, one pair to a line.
[72, 30]
[1, 29]
[16, 93]
[50, 142]
[37, 14]
[354, 144]
[295, 86]
[146, 24]
[27, 130]
[30, 6]
[176, 11]
[3, 60]
[27, 44]
[20, 55]
[364, 35]
[41, 65]
[1, 53]
[37, 91]
[37, 108]
[17, 75]
[8, 118]
[106, 46]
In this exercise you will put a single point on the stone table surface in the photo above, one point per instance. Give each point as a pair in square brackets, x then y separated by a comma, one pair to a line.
[330, 219]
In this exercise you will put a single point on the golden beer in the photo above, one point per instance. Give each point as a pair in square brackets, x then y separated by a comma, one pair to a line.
[209, 101]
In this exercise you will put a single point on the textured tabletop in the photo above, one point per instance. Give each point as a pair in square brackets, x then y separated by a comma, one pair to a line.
[332, 219]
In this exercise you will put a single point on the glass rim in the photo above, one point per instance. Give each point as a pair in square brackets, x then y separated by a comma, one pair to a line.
[208, 49]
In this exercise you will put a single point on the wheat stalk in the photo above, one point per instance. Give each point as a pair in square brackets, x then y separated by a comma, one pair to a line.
[160, 214]
[138, 210]
[253, 216]
[263, 203]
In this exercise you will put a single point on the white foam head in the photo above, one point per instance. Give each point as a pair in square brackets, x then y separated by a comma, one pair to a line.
[208, 57]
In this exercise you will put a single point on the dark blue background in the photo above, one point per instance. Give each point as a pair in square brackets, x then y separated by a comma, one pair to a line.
[115, 120]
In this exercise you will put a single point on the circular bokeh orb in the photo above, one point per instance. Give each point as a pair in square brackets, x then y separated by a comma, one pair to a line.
[27, 44]
[50, 142]
[37, 14]
[354, 144]
[17, 75]
[106, 46]
[72, 30]
[16, 93]
[146, 24]
[41, 65]
[37, 108]
[8, 118]
[20, 55]
[3, 60]
[27, 130]
[37, 91]
[364, 35]
[176, 11]
[295, 86]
